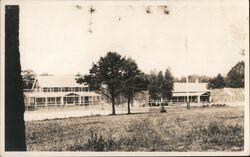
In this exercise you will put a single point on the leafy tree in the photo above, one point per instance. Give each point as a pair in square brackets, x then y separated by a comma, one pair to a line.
[135, 81]
[28, 77]
[236, 76]
[106, 76]
[168, 85]
[217, 82]
[14, 101]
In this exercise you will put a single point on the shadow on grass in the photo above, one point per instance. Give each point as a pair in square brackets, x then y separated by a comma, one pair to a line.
[122, 114]
[96, 115]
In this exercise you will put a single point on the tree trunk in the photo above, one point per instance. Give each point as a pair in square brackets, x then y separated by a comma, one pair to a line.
[113, 105]
[14, 99]
[128, 103]
[132, 100]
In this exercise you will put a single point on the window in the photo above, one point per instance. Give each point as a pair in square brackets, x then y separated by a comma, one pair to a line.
[56, 89]
[40, 101]
[77, 89]
[67, 89]
[51, 100]
[58, 100]
[46, 90]
[86, 89]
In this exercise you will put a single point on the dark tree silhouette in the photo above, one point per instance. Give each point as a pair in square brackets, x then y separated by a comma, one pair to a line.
[14, 103]
[161, 86]
[168, 85]
[236, 76]
[159, 82]
[217, 82]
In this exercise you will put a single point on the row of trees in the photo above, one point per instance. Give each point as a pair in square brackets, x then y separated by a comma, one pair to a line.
[235, 78]
[193, 78]
[161, 86]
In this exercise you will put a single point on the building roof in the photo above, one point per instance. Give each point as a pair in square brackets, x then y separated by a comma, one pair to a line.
[189, 94]
[58, 94]
[58, 81]
[192, 87]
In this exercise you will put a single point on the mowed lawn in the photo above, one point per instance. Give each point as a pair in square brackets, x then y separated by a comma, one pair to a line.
[198, 129]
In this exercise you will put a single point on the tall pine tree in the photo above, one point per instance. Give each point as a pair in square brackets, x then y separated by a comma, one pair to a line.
[167, 86]
[236, 76]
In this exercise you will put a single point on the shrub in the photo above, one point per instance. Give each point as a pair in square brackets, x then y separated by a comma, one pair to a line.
[203, 105]
[142, 135]
[218, 105]
[98, 143]
[218, 135]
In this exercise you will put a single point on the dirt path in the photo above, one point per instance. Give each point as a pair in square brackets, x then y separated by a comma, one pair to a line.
[66, 112]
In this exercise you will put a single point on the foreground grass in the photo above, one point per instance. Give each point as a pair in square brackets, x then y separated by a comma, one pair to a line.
[200, 129]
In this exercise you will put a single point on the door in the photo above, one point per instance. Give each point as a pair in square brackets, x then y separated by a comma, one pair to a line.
[86, 100]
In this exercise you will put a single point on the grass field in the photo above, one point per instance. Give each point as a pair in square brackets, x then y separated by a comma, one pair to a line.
[199, 129]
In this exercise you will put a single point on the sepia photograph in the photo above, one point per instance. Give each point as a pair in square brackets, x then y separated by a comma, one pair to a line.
[115, 78]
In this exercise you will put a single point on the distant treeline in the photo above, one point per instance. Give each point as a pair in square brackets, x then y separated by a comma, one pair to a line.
[194, 78]
[235, 78]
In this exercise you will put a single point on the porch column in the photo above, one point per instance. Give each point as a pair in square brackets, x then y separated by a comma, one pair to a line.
[198, 99]
[35, 101]
[92, 100]
[46, 101]
[61, 101]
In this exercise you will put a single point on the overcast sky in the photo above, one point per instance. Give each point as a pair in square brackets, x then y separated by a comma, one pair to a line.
[197, 37]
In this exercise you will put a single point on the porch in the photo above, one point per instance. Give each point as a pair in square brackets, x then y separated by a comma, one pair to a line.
[61, 99]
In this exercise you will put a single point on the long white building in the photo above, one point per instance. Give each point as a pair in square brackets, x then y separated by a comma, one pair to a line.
[59, 90]
[197, 92]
